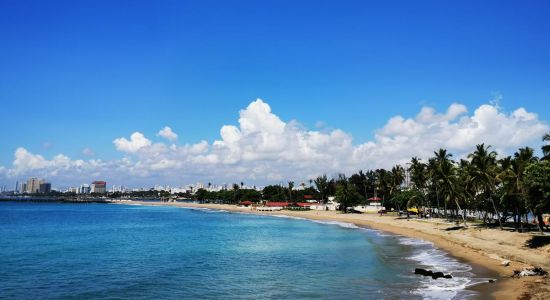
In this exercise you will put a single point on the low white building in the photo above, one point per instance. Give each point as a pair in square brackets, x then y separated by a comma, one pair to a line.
[374, 206]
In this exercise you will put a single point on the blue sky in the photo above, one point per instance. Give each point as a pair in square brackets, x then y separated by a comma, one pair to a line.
[79, 74]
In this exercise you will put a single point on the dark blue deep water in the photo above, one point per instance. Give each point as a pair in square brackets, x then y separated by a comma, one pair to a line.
[76, 251]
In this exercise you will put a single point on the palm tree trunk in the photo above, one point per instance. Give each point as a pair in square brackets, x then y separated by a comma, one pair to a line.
[520, 221]
[463, 218]
[538, 217]
[445, 207]
[497, 213]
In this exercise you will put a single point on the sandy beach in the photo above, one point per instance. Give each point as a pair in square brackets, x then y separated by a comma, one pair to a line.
[484, 249]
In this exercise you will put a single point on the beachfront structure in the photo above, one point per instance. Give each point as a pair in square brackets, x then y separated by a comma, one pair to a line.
[246, 204]
[332, 204]
[272, 206]
[312, 205]
[374, 205]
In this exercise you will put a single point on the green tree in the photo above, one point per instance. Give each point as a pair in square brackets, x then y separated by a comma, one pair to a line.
[321, 183]
[359, 181]
[290, 187]
[546, 148]
[537, 183]
[346, 194]
[274, 193]
[484, 174]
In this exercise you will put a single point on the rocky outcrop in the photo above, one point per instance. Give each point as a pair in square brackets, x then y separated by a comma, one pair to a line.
[434, 275]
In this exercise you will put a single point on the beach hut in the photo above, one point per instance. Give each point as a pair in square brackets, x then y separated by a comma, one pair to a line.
[245, 203]
[272, 206]
[374, 205]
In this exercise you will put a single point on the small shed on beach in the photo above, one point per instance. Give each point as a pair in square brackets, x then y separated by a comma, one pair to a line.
[246, 203]
[374, 205]
[272, 206]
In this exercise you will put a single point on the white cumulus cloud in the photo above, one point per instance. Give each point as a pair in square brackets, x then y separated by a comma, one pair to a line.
[136, 142]
[265, 149]
[168, 134]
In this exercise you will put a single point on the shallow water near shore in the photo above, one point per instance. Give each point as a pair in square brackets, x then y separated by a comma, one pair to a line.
[122, 251]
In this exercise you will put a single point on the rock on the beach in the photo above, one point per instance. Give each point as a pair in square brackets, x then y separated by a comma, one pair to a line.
[505, 263]
[527, 272]
[537, 271]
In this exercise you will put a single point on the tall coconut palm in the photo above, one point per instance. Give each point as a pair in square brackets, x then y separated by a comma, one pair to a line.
[484, 174]
[290, 187]
[419, 177]
[384, 181]
[546, 148]
[346, 193]
[418, 173]
[398, 177]
[465, 190]
[511, 175]
[321, 183]
[443, 176]
[431, 170]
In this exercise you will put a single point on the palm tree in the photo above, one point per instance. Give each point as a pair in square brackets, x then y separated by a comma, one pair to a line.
[546, 148]
[398, 176]
[419, 177]
[484, 174]
[443, 176]
[290, 187]
[446, 176]
[363, 178]
[384, 182]
[465, 191]
[321, 183]
[418, 173]
[512, 177]
[346, 193]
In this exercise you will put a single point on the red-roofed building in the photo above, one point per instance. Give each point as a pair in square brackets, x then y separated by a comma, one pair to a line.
[246, 203]
[272, 206]
[276, 204]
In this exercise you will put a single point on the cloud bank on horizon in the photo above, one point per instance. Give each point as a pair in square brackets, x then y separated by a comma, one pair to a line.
[265, 149]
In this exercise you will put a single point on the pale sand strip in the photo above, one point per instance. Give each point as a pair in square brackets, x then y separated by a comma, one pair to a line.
[481, 247]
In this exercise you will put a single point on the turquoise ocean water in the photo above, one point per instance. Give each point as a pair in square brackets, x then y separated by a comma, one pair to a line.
[76, 251]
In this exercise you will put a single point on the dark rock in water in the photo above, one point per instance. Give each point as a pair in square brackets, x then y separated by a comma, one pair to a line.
[491, 280]
[434, 275]
[423, 272]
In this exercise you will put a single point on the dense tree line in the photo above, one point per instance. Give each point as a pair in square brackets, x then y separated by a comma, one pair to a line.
[480, 186]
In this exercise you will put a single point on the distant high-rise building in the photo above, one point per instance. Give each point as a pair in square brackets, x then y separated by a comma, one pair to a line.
[99, 187]
[33, 185]
[45, 187]
[23, 188]
[17, 187]
[84, 189]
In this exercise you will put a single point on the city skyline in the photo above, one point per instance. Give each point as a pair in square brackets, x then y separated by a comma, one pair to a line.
[166, 93]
